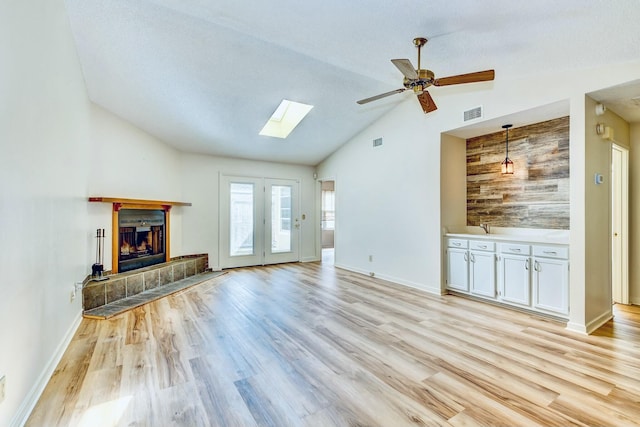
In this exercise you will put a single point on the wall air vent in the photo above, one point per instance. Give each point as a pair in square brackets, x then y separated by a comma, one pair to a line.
[472, 114]
[377, 142]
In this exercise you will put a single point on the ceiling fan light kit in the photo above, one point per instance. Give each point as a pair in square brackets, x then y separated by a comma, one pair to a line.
[418, 80]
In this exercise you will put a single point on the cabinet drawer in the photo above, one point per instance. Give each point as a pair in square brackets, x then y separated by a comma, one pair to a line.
[515, 248]
[561, 252]
[457, 243]
[481, 245]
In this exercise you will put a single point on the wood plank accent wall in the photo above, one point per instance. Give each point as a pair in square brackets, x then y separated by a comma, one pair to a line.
[537, 194]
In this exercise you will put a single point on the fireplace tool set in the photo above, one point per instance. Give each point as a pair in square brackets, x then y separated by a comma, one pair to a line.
[97, 269]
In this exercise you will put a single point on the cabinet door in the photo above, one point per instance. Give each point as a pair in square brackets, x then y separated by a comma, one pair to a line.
[482, 273]
[551, 285]
[515, 278]
[457, 270]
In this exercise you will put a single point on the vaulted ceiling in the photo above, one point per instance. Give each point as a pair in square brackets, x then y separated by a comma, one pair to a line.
[205, 75]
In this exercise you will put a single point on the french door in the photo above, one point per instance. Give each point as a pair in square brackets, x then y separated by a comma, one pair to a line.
[259, 221]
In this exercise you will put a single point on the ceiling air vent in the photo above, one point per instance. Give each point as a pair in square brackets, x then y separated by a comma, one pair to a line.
[474, 113]
[377, 142]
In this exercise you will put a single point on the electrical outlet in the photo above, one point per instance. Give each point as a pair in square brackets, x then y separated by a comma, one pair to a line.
[73, 294]
[3, 382]
[370, 258]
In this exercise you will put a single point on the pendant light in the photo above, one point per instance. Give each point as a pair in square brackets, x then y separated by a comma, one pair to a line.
[507, 164]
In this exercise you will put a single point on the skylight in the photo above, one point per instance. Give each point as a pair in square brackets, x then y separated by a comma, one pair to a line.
[285, 118]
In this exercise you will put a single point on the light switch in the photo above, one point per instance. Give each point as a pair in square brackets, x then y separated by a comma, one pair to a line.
[599, 179]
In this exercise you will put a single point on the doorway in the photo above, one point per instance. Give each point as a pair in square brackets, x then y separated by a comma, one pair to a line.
[619, 224]
[328, 221]
[259, 221]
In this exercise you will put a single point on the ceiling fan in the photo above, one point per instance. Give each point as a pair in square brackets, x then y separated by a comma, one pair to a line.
[418, 80]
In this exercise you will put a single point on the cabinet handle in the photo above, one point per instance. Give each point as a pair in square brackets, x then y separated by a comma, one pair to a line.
[473, 258]
[482, 246]
[536, 266]
[457, 243]
[526, 264]
[515, 249]
[550, 252]
[466, 256]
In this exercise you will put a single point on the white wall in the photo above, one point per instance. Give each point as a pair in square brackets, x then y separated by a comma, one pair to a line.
[44, 133]
[127, 162]
[200, 186]
[634, 214]
[598, 242]
[388, 198]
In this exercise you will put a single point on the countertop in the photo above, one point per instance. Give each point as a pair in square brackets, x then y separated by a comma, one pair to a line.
[500, 234]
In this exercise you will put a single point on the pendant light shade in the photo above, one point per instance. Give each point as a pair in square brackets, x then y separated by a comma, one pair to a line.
[507, 164]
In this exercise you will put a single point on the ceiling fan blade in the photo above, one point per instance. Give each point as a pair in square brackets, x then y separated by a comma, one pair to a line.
[406, 67]
[382, 95]
[480, 76]
[426, 102]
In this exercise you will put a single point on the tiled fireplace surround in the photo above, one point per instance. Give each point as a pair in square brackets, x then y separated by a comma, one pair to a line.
[122, 285]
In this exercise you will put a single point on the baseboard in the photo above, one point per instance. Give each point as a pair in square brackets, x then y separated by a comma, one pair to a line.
[24, 411]
[599, 321]
[310, 259]
[591, 326]
[420, 286]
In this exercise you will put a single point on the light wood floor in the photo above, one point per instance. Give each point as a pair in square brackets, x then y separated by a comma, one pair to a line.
[310, 345]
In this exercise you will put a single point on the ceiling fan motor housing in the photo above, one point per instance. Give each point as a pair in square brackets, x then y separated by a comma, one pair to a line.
[424, 80]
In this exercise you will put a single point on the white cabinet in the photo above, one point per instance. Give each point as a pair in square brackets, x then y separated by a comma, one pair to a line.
[471, 267]
[457, 265]
[482, 268]
[551, 279]
[519, 273]
[515, 274]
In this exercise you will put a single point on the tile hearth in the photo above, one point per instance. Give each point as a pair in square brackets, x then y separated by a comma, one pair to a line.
[136, 287]
[120, 306]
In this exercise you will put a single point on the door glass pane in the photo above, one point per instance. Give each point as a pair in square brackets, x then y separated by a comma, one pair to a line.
[241, 219]
[280, 218]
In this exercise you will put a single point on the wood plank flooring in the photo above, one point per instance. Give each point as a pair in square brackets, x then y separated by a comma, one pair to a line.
[311, 345]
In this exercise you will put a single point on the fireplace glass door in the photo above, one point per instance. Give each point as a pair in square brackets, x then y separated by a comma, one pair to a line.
[142, 238]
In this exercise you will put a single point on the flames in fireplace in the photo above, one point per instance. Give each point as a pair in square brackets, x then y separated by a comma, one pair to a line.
[141, 238]
[140, 242]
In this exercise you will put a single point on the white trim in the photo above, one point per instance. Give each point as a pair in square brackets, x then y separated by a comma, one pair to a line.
[577, 327]
[592, 326]
[435, 290]
[599, 321]
[310, 259]
[29, 402]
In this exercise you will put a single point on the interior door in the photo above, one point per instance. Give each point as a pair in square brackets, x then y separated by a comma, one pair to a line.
[259, 221]
[619, 225]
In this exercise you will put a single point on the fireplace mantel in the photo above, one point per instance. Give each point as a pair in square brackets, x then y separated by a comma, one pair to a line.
[123, 203]
[141, 202]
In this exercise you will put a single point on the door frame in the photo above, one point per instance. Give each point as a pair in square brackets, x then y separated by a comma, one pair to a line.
[621, 264]
[335, 217]
[260, 229]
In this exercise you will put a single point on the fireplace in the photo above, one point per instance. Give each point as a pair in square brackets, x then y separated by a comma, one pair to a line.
[141, 239]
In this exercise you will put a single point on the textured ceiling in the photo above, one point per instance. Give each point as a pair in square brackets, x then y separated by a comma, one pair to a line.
[204, 75]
